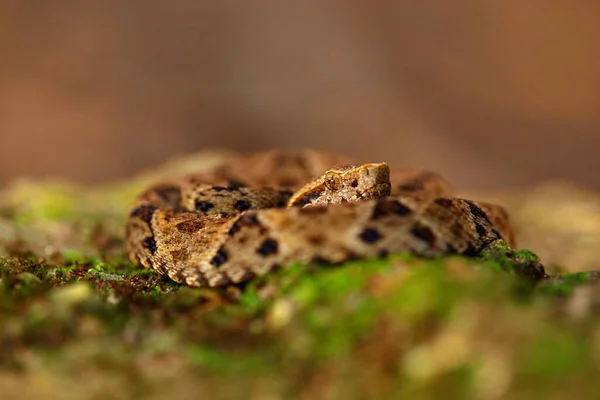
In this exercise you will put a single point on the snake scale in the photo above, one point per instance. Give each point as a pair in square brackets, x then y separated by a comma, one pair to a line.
[268, 210]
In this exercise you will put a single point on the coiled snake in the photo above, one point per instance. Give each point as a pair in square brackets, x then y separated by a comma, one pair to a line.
[268, 210]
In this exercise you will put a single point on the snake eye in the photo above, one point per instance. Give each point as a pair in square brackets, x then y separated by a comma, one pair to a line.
[332, 181]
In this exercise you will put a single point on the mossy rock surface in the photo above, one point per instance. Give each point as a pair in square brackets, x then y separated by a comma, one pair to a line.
[79, 320]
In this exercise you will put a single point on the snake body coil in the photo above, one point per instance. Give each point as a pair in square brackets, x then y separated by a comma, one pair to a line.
[272, 209]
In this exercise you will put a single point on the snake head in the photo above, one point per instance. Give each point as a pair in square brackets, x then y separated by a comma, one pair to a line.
[363, 181]
[343, 184]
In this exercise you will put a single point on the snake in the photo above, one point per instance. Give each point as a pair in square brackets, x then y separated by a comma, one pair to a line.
[265, 211]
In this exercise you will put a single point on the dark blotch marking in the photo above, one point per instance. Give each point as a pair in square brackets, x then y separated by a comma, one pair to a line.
[423, 233]
[481, 230]
[308, 199]
[150, 244]
[370, 235]
[354, 183]
[219, 258]
[275, 267]
[204, 206]
[144, 212]
[225, 188]
[400, 209]
[189, 226]
[235, 184]
[476, 211]
[383, 253]
[411, 186]
[242, 205]
[444, 202]
[248, 219]
[316, 240]
[318, 260]
[385, 207]
[268, 247]
[234, 228]
[170, 194]
[284, 196]
[471, 251]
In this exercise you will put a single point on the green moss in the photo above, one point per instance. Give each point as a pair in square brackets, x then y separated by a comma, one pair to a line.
[523, 263]
[334, 309]
[72, 256]
[424, 292]
[565, 284]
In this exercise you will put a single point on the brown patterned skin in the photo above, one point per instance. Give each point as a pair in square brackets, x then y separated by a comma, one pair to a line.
[248, 218]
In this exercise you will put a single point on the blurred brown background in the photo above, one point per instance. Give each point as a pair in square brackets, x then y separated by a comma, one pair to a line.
[491, 94]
